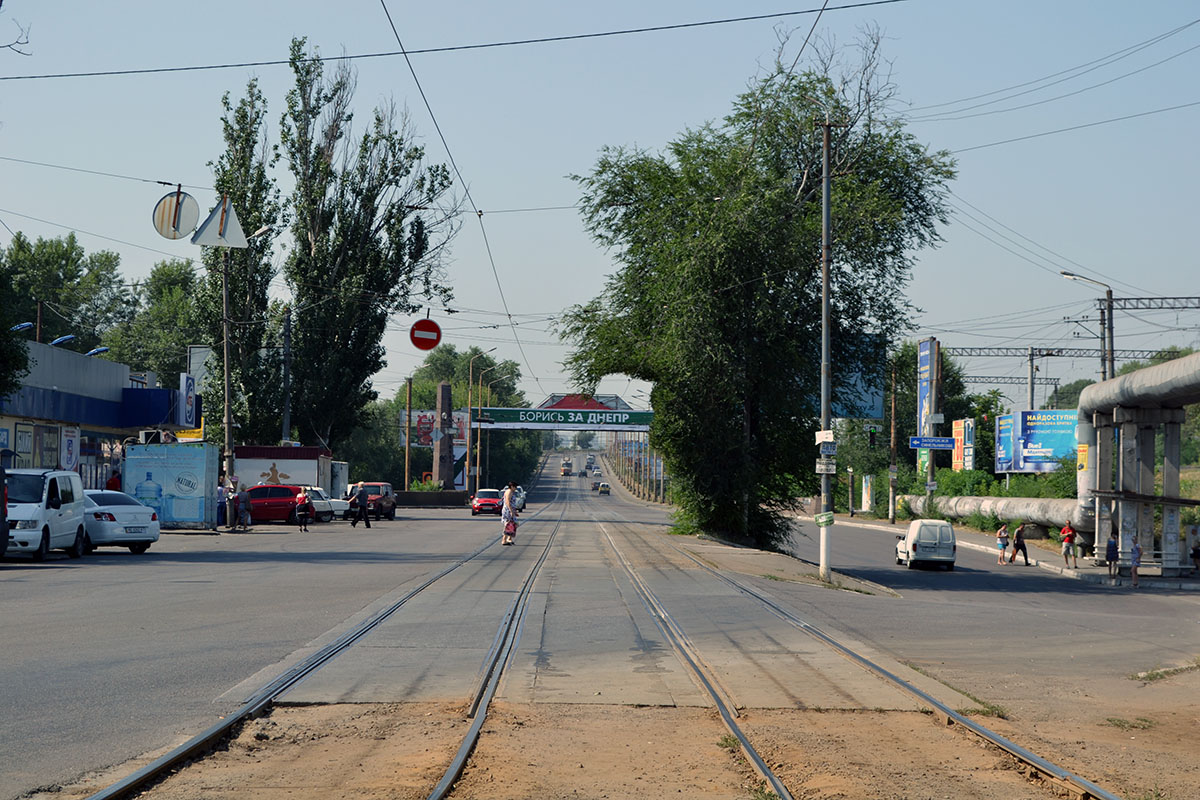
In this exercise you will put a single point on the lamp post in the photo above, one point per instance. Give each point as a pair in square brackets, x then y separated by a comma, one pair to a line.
[1106, 328]
[470, 382]
[479, 406]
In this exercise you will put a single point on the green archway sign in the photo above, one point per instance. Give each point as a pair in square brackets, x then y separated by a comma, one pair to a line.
[562, 419]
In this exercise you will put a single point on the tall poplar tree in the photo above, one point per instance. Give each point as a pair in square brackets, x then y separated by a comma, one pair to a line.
[370, 222]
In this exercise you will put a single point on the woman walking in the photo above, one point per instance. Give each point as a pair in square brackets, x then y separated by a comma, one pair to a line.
[1019, 545]
[1002, 543]
[508, 515]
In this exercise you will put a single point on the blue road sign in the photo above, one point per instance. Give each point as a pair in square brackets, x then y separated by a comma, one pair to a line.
[931, 442]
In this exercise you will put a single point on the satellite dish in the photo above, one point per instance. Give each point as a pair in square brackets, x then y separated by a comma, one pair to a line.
[176, 215]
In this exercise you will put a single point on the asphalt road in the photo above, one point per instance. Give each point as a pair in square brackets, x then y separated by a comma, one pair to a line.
[116, 655]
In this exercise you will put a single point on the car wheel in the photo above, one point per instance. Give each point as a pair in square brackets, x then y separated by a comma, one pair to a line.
[911, 564]
[899, 560]
[139, 548]
[391, 513]
[78, 547]
[950, 567]
[43, 547]
[473, 512]
[327, 516]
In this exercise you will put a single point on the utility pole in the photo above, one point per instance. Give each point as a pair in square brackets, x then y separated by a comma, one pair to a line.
[1108, 304]
[826, 371]
[1032, 369]
[1103, 345]
[37, 334]
[228, 419]
[892, 465]
[935, 392]
[287, 376]
[408, 434]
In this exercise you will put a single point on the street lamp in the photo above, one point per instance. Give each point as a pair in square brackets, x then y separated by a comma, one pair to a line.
[1111, 371]
[470, 382]
[96, 351]
[488, 464]
[21, 326]
[63, 339]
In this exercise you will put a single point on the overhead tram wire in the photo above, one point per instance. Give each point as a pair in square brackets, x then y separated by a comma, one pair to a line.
[466, 191]
[1102, 61]
[450, 48]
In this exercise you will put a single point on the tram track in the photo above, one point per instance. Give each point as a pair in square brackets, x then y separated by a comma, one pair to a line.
[261, 701]
[1037, 768]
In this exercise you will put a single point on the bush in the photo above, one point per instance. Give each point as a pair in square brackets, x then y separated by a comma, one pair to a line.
[983, 522]
[425, 486]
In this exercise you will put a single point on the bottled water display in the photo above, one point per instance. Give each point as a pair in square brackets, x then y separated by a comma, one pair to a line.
[149, 493]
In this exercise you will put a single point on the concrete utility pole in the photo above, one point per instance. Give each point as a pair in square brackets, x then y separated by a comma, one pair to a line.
[892, 464]
[228, 418]
[287, 383]
[826, 370]
[408, 434]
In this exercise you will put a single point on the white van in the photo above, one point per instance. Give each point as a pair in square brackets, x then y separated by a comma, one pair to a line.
[929, 541]
[45, 512]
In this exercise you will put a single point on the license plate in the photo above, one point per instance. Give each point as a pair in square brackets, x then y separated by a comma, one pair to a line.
[135, 530]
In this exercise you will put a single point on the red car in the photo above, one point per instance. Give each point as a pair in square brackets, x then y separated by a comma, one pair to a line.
[273, 502]
[486, 501]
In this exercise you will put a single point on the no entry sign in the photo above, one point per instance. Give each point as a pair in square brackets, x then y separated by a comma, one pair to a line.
[425, 334]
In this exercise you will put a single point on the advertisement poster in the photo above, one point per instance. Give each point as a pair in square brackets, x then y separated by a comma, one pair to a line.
[1042, 438]
[186, 418]
[177, 480]
[424, 422]
[964, 445]
[68, 448]
[1004, 443]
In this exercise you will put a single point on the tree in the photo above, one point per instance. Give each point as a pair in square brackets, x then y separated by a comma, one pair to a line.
[80, 294]
[717, 299]
[164, 321]
[14, 355]
[241, 172]
[369, 241]
[584, 439]
[1067, 396]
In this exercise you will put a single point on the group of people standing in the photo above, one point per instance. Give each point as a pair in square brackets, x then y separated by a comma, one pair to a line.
[1018, 544]
[1070, 549]
[233, 506]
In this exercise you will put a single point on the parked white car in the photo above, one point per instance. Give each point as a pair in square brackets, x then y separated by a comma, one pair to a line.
[519, 498]
[322, 506]
[927, 541]
[45, 512]
[114, 519]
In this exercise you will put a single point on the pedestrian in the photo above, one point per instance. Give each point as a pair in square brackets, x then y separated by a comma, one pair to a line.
[1135, 561]
[220, 503]
[1019, 545]
[1195, 554]
[1068, 545]
[1112, 552]
[302, 506]
[113, 484]
[1002, 543]
[231, 506]
[361, 501]
[243, 506]
[508, 515]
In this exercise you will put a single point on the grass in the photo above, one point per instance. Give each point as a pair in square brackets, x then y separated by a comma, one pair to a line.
[1150, 676]
[1154, 794]
[729, 742]
[1139, 724]
[771, 577]
[985, 708]
[761, 792]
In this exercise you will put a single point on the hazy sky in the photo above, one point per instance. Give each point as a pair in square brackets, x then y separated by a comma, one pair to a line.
[1113, 200]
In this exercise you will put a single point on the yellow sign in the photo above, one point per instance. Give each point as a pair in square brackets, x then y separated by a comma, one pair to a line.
[1081, 458]
[191, 434]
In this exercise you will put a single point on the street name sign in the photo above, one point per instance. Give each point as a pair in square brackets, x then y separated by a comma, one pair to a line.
[563, 419]
[931, 442]
[826, 466]
[829, 448]
[824, 519]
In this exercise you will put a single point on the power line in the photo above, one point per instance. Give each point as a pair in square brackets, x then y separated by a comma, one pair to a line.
[448, 49]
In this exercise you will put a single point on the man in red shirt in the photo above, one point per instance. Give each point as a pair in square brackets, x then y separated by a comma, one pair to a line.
[114, 482]
[1068, 545]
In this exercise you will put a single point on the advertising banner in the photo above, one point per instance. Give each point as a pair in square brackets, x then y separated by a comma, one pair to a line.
[68, 448]
[924, 383]
[554, 419]
[1004, 443]
[424, 423]
[964, 445]
[1042, 438]
[186, 416]
[177, 480]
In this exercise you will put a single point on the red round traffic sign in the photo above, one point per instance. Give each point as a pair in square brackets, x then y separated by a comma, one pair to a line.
[425, 334]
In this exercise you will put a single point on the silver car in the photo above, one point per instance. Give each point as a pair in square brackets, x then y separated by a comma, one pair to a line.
[114, 519]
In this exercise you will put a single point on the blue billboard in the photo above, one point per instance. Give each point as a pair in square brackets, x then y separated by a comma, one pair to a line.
[1034, 441]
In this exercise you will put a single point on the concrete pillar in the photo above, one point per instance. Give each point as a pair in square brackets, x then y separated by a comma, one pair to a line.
[443, 447]
[1105, 441]
[1127, 510]
[1174, 555]
[1146, 465]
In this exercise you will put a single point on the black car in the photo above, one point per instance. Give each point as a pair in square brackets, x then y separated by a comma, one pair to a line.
[595, 485]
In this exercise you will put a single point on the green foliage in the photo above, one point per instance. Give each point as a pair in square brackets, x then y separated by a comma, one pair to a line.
[14, 355]
[255, 363]
[371, 224]
[1067, 396]
[163, 324]
[425, 486]
[81, 293]
[716, 301]
[584, 439]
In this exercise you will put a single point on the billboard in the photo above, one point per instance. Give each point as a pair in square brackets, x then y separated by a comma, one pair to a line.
[425, 422]
[964, 445]
[1034, 441]
[927, 353]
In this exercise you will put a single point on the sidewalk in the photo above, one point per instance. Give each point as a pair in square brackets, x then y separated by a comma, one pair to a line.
[1148, 578]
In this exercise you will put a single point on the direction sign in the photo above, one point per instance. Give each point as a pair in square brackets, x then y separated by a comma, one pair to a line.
[824, 519]
[931, 442]
[826, 466]
[829, 448]
[425, 334]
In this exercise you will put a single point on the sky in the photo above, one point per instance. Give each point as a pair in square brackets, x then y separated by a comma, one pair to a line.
[1071, 123]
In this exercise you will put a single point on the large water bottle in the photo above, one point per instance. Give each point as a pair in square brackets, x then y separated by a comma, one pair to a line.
[149, 493]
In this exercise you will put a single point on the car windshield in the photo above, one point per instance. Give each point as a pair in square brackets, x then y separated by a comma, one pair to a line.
[109, 499]
[25, 488]
[488, 494]
[316, 492]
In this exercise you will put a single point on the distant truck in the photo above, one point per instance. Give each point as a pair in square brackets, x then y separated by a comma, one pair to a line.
[566, 467]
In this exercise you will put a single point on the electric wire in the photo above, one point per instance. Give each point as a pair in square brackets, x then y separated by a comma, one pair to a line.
[448, 49]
